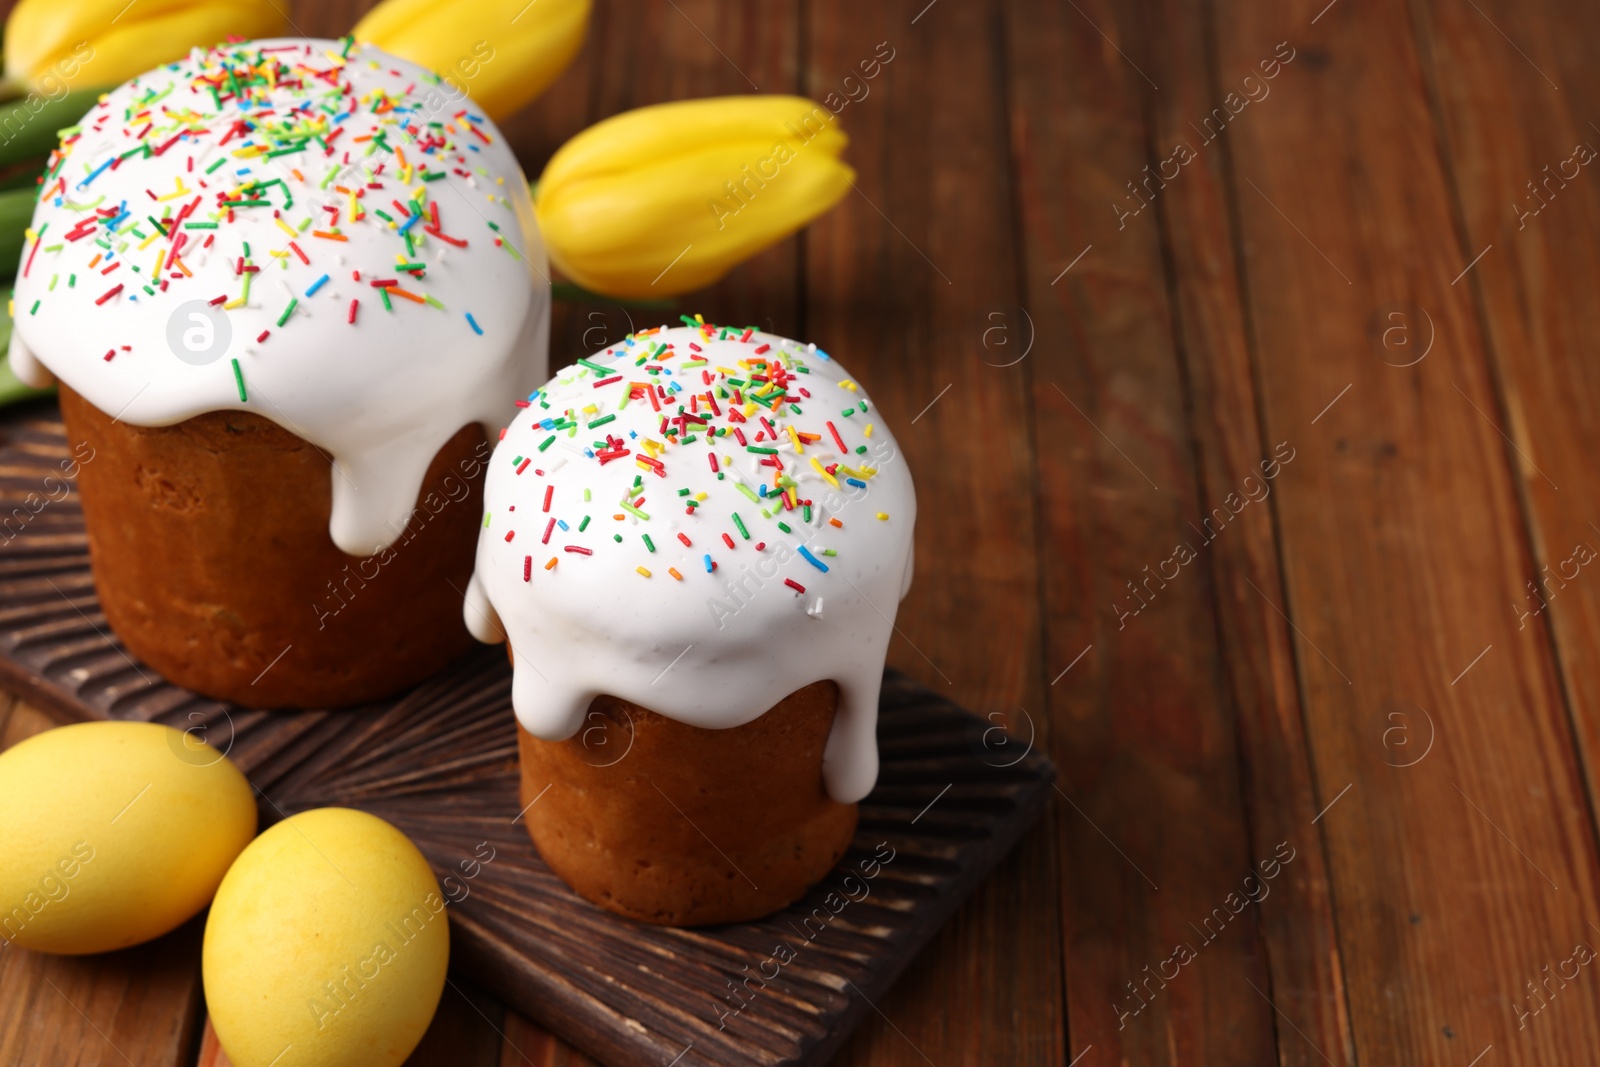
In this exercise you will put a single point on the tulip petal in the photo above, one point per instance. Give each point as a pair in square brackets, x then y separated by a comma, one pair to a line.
[673, 225]
[680, 128]
[44, 35]
[503, 53]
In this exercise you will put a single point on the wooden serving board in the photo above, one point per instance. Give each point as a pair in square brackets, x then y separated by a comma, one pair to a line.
[953, 796]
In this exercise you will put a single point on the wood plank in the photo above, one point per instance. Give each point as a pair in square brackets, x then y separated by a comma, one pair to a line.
[897, 280]
[1400, 533]
[1506, 126]
[1195, 217]
[1152, 753]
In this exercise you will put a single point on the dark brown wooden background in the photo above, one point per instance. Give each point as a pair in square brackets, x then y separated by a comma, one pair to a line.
[1357, 274]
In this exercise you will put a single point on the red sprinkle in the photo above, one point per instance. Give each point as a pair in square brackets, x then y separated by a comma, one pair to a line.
[510, 534]
[551, 525]
[109, 293]
[578, 549]
[685, 539]
[352, 316]
[792, 584]
[727, 540]
[262, 336]
[549, 491]
[527, 568]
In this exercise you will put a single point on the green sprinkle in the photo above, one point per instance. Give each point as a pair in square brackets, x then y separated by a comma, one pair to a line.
[651, 545]
[762, 449]
[617, 538]
[683, 492]
[485, 520]
[72, 281]
[806, 508]
[784, 527]
[384, 293]
[737, 521]
[199, 225]
[829, 552]
[584, 525]
[546, 444]
[586, 495]
[238, 378]
[602, 420]
[287, 311]
[606, 371]
[747, 491]
[631, 510]
[35, 309]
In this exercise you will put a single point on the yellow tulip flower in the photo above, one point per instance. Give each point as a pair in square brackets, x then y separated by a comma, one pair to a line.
[51, 45]
[666, 199]
[501, 53]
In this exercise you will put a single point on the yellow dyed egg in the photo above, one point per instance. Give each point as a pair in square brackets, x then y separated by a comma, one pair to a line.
[326, 945]
[112, 833]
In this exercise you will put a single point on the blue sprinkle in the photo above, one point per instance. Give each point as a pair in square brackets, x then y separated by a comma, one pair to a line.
[708, 564]
[476, 328]
[318, 284]
[563, 524]
[823, 354]
[857, 482]
[410, 222]
[95, 173]
[813, 560]
[633, 433]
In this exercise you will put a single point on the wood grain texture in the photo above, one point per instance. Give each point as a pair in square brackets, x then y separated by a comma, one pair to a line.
[1195, 213]
[898, 280]
[1166, 962]
[1523, 190]
[1400, 530]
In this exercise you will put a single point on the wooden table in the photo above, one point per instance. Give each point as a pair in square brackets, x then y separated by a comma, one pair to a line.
[1242, 356]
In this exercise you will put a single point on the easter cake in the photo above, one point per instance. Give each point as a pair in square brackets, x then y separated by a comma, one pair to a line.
[284, 285]
[694, 544]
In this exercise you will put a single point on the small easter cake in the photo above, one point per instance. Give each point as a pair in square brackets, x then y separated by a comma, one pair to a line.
[694, 544]
[285, 286]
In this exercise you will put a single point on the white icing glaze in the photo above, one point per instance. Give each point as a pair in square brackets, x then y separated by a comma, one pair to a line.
[381, 396]
[710, 649]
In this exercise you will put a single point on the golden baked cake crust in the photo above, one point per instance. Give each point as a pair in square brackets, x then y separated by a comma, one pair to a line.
[690, 826]
[211, 555]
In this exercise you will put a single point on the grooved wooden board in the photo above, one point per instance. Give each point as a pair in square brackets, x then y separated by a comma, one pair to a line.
[954, 794]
